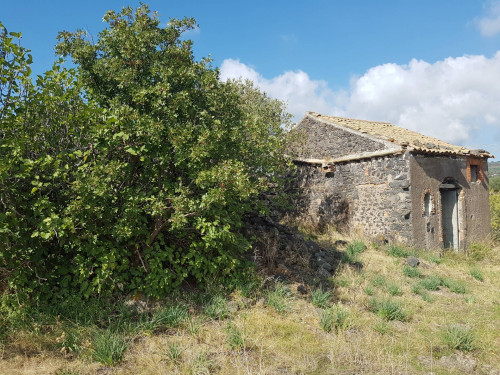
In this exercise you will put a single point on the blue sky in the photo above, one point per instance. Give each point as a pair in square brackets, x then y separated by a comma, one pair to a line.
[428, 65]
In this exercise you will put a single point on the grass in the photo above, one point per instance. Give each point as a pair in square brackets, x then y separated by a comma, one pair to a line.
[458, 337]
[455, 286]
[394, 290]
[352, 252]
[412, 272]
[388, 309]
[109, 348]
[171, 316]
[432, 282]
[235, 338]
[350, 326]
[278, 298]
[321, 298]
[335, 318]
[476, 273]
[217, 307]
[398, 251]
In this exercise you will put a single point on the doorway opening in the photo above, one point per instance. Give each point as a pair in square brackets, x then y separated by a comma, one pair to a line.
[449, 214]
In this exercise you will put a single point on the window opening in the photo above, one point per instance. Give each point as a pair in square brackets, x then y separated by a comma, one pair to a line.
[473, 173]
[427, 204]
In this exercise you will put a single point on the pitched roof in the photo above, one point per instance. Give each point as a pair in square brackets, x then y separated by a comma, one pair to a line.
[405, 138]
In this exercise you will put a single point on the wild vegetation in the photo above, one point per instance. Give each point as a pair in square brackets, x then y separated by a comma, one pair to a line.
[124, 185]
[373, 317]
[132, 172]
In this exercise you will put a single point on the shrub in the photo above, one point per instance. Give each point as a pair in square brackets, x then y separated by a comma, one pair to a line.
[388, 309]
[321, 298]
[336, 317]
[136, 173]
[413, 272]
[109, 348]
[459, 337]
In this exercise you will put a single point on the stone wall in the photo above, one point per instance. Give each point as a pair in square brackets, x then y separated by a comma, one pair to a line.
[318, 139]
[427, 174]
[371, 195]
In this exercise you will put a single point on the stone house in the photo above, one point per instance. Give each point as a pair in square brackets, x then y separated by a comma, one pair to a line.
[390, 183]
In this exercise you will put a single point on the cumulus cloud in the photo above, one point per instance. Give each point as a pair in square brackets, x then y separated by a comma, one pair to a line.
[489, 25]
[448, 99]
[296, 88]
[454, 99]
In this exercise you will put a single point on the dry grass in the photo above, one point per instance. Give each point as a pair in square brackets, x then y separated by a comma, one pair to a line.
[292, 342]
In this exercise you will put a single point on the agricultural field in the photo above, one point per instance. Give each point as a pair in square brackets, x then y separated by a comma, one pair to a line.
[377, 314]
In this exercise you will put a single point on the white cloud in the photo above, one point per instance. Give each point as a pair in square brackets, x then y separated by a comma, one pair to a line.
[449, 99]
[489, 25]
[296, 88]
[452, 99]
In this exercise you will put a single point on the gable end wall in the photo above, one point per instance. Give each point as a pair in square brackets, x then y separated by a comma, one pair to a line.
[325, 141]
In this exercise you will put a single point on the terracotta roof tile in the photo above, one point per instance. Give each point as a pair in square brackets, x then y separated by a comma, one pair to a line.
[400, 136]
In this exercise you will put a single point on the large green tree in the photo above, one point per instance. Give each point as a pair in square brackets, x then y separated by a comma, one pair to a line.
[138, 168]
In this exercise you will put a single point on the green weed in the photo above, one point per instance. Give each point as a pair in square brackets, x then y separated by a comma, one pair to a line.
[279, 298]
[235, 338]
[66, 372]
[174, 351]
[69, 341]
[412, 272]
[109, 348]
[381, 327]
[169, 316]
[379, 281]
[352, 252]
[369, 290]
[321, 298]
[459, 337]
[477, 274]
[388, 309]
[394, 290]
[432, 282]
[398, 251]
[336, 317]
[217, 307]
[455, 286]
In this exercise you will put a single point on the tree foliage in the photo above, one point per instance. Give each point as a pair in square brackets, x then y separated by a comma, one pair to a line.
[495, 183]
[132, 172]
